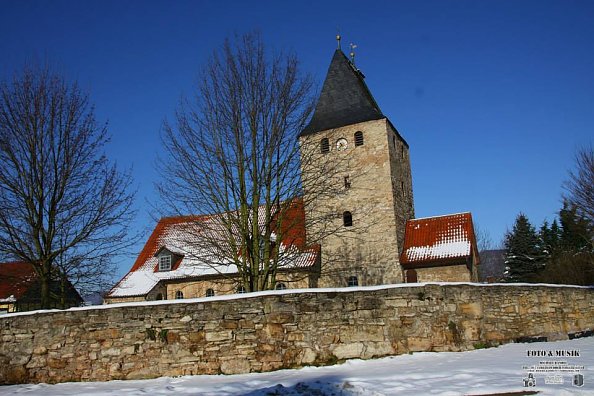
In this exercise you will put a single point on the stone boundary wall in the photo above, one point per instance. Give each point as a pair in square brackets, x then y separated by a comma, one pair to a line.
[283, 329]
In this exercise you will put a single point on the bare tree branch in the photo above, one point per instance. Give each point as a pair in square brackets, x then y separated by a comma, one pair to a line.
[580, 186]
[233, 153]
[63, 206]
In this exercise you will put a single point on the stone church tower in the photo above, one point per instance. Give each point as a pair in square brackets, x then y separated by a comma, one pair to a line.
[357, 182]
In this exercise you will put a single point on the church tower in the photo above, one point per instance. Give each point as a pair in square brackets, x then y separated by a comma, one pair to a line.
[357, 182]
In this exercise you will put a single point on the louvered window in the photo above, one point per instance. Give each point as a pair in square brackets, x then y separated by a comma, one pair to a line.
[324, 145]
[359, 138]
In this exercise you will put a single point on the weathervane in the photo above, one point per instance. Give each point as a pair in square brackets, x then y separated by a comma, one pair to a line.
[353, 46]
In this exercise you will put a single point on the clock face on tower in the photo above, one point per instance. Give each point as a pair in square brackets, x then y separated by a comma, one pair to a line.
[341, 144]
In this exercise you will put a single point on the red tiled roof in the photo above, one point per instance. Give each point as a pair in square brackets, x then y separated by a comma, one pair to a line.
[16, 278]
[177, 235]
[293, 231]
[153, 244]
[440, 238]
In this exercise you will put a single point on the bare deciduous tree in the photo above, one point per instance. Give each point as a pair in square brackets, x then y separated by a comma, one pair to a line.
[63, 206]
[580, 186]
[233, 153]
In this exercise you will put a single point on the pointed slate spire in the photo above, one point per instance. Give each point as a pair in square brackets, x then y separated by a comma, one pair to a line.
[345, 98]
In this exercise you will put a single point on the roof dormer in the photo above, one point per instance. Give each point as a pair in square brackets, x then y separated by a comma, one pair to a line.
[167, 260]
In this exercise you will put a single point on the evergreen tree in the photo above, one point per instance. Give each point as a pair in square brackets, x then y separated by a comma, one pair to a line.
[524, 255]
[551, 238]
[569, 249]
[576, 235]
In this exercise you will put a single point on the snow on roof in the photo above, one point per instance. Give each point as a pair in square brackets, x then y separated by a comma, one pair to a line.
[15, 279]
[9, 299]
[181, 236]
[436, 238]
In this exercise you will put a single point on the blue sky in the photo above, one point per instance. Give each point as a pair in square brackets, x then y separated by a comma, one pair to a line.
[493, 97]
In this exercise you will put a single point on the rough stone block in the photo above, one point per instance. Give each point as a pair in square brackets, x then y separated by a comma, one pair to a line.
[472, 309]
[416, 344]
[360, 333]
[377, 349]
[235, 366]
[308, 356]
[218, 336]
[346, 351]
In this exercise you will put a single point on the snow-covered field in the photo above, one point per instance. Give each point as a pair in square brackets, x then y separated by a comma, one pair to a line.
[480, 372]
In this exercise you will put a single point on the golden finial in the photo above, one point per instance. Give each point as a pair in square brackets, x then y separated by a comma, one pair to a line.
[338, 40]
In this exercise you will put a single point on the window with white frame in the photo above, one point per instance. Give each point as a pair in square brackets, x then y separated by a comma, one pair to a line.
[165, 263]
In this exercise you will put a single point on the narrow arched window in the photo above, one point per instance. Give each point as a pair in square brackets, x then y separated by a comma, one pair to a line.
[347, 219]
[241, 289]
[359, 138]
[411, 276]
[352, 281]
[280, 286]
[179, 295]
[324, 145]
[210, 293]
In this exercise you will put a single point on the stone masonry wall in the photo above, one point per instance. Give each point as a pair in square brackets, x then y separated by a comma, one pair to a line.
[273, 330]
[449, 273]
[369, 249]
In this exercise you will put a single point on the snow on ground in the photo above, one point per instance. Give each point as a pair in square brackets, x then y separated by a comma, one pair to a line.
[479, 372]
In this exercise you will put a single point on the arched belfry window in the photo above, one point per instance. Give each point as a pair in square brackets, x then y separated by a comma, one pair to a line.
[210, 292]
[359, 138]
[347, 219]
[179, 295]
[324, 145]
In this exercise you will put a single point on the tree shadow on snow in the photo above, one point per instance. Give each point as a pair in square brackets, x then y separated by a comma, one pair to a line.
[322, 386]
